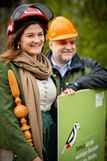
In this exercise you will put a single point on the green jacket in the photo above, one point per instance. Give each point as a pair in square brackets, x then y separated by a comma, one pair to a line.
[83, 73]
[11, 136]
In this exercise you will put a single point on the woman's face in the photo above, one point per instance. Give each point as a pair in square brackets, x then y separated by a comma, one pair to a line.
[32, 40]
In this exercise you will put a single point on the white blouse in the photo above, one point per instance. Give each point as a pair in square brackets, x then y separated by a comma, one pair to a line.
[47, 91]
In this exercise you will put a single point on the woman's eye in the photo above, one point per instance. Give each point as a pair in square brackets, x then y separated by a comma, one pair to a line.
[40, 34]
[29, 35]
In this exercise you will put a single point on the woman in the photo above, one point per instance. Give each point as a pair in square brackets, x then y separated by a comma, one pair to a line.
[23, 55]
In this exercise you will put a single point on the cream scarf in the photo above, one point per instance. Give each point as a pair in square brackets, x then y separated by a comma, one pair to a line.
[29, 69]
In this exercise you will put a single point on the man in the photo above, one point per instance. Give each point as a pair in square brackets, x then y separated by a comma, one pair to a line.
[71, 72]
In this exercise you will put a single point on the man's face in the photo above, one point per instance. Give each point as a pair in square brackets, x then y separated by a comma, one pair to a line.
[62, 50]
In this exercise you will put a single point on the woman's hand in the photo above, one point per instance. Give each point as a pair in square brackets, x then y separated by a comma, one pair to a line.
[37, 159]
[68, 91]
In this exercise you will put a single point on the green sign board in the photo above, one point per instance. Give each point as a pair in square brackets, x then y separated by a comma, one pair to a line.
[81, 126]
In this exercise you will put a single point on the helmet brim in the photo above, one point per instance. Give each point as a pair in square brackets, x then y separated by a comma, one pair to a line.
[63, 37]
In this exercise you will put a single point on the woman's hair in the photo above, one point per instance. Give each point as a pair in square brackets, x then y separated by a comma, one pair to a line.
[11, 51]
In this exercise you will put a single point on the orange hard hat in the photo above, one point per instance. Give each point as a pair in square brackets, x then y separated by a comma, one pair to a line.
[61, 28]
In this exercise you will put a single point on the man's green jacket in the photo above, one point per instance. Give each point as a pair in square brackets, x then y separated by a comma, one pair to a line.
[84, 73]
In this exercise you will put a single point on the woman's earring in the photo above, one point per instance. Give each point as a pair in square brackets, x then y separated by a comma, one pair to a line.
[18, 46]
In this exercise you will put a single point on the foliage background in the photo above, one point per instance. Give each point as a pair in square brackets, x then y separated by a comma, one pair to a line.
[88, 16]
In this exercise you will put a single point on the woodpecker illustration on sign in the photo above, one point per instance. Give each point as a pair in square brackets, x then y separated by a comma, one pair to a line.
[72, 137]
